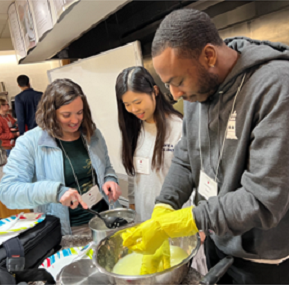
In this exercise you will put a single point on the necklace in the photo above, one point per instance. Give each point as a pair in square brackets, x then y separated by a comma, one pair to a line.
[67, 157]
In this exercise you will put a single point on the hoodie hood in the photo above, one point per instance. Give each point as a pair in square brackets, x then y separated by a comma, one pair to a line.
[253, 53]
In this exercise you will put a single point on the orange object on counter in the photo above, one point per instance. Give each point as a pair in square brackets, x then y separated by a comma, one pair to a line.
[5, 212]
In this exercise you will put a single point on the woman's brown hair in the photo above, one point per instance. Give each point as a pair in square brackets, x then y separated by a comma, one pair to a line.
[138, 79]
[59, 93]
[3, 101]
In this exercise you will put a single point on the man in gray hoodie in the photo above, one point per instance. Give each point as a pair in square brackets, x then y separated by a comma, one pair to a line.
[234, 149]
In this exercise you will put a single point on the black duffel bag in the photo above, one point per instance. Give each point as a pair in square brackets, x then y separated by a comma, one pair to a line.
[30, 248]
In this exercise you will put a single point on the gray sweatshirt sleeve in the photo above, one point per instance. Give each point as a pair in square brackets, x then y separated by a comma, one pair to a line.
[262, 200]
[178, 184]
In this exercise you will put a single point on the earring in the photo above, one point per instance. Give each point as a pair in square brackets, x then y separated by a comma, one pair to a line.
[211, 65]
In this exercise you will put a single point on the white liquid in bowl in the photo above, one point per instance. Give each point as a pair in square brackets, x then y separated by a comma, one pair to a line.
[131, 263]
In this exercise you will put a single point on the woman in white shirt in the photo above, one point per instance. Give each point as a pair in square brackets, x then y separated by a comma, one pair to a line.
[150, 129]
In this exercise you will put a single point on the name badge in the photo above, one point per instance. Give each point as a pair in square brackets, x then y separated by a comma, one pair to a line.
[231, 132]
[142, 165]
[207, 186]
[92, 197]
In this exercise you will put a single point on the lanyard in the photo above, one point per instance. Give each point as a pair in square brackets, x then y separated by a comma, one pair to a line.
[75, 177]
[223, 144]
[147, 130]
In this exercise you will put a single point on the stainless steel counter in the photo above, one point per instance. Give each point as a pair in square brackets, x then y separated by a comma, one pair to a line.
[72, 241]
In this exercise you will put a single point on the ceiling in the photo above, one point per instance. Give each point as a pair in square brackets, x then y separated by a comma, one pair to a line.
[4, 27]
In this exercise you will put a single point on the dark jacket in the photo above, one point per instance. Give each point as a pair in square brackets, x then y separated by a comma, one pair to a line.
[25, 107]
[250, 215]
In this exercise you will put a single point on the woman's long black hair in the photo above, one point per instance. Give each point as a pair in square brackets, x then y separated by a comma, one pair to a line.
[138, 79]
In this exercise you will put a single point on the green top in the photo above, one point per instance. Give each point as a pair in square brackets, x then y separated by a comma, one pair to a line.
[81, 163]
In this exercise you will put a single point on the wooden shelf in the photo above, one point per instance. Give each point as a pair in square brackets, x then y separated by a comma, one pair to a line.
[75, 21]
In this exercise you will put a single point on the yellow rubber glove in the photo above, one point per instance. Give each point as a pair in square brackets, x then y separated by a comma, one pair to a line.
[149, 236]
[161, 209]
[161, 259]
[158, 261]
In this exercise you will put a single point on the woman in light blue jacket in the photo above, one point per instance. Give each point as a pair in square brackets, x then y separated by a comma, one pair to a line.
[61, 164]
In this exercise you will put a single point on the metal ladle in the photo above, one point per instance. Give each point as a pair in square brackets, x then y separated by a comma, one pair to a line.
[110, 222]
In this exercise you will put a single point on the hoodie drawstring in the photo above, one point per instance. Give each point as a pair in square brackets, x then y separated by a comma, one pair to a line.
[223, 144]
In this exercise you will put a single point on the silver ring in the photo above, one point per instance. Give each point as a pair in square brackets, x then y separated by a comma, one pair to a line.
[74, 201]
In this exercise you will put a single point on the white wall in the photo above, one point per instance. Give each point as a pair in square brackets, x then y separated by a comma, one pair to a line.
[37, 72]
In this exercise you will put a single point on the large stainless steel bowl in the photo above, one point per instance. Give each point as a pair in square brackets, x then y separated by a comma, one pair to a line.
[110, 250]
[98, 227]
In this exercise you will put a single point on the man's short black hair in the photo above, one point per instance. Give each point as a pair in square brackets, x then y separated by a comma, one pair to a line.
[23, 80]
[188, 31]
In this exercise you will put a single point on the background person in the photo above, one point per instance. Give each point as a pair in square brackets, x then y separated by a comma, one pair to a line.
[150, 129]
[54, 167]
[8, 131]
[26, 104]
[234, 148]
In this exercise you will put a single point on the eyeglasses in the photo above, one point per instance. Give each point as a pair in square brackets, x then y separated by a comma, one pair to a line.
[5, 104]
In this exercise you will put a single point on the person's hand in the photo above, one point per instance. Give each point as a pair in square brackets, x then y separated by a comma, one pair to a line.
[112, 190]
[148, 237]
[71, 198]
[157, 262]
[16, 134]
[202, 236]
[161, 259]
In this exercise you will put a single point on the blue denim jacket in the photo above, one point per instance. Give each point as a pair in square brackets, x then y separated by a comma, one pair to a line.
[34, 174]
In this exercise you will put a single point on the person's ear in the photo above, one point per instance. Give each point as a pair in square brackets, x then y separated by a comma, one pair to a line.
[209, 55]
[156, 90]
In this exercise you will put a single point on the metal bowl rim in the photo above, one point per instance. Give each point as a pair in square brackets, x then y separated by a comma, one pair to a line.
[59, 276]
[135, 277]
[118, 210]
